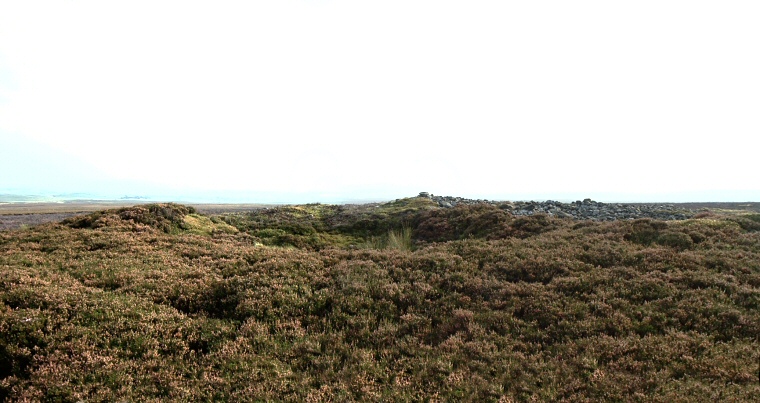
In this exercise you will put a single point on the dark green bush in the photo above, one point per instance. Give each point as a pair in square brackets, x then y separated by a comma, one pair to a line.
[748, 222]
[645, 231]
[677, 240]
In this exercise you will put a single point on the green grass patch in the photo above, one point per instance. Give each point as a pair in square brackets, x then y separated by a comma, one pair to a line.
[203, 225]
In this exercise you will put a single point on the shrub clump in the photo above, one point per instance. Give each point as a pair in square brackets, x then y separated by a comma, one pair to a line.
[748, 222]
[484, 221]
[166, 217]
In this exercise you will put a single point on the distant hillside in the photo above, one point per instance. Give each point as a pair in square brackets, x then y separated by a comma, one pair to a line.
[64, 198]
[13, 198]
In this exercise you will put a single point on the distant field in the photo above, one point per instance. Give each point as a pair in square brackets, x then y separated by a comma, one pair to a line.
[50, 208]
[96, 205]
[16, 215]
[746, 206]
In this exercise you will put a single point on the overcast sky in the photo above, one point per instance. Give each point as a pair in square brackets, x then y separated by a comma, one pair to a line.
[341, 100]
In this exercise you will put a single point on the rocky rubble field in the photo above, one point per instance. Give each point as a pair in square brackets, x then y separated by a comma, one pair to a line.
[579, 210]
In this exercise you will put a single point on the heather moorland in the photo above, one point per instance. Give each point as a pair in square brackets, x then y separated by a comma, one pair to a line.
[401, 301]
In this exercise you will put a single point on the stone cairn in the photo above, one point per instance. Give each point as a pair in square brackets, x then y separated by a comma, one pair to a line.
[579, 210]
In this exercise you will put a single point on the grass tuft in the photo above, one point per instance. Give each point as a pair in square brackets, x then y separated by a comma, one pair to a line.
[400, 239]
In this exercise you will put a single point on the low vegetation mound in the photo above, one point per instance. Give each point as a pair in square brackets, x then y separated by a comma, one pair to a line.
[319, 226]
[484, 221]
[166, 217]
[391, 302]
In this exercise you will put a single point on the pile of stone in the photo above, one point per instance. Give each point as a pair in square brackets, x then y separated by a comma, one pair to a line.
[579, 210]
[592, 210]
[450, 201]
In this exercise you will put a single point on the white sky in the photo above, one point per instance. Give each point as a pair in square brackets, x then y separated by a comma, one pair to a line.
[337, 100]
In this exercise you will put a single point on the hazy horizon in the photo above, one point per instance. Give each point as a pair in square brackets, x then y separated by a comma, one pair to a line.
[337, 101]
[252, 197]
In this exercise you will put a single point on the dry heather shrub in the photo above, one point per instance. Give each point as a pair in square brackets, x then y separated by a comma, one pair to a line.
[537, 309]
[479, 221]
[166, 217]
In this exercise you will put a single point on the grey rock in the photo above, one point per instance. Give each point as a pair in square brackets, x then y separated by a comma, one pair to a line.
[579, 210]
